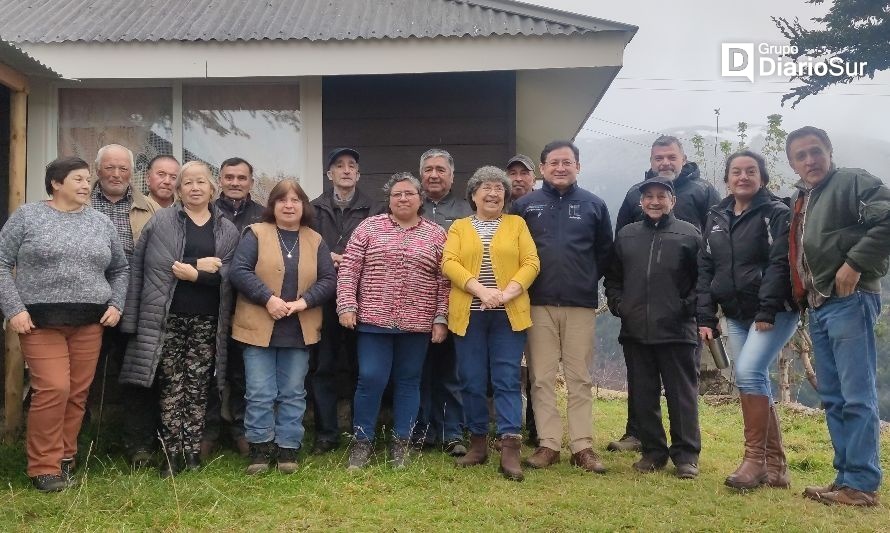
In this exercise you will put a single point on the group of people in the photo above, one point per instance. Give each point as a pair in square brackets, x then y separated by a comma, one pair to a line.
[222, 310]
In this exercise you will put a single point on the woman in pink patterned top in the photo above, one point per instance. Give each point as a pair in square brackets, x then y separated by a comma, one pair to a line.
[391, 290]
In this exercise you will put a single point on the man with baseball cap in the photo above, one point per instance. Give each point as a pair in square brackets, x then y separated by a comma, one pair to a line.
[521, 171]
[338, 211]
[658, 256]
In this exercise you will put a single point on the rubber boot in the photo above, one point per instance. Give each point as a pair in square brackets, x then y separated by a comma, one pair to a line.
[752, 472]
[477, 454]
[776, 464]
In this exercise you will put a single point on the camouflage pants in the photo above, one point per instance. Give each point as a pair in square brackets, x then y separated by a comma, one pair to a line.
[183, 377]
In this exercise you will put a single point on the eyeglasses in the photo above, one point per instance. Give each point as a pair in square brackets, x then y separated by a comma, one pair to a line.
[556, 163]
[404, 194]
[492, 188]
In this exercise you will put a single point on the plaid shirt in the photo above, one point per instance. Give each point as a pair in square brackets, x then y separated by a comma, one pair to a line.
[119, 213]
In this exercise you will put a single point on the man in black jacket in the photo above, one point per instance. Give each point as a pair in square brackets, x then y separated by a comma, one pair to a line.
[658, 259]
[235, 204]
[338, 211]
[694, 197]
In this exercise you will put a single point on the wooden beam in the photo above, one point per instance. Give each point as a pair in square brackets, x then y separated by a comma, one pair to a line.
[15, 80]
[14, 371]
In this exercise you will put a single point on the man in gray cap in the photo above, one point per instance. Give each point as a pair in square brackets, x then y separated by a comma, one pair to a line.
[521, 171]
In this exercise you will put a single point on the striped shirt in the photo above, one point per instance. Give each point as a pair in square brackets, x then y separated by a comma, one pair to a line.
[486, 230]
[391, 276]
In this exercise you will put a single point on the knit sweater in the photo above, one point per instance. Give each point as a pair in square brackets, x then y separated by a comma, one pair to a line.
[60, 258]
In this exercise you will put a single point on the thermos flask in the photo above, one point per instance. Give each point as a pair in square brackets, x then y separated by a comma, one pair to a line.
[719, 352]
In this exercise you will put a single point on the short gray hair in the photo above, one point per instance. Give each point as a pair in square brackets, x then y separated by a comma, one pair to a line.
[102, 151]
[668, 140]
[399, 177]
[191, 164]
[436, 152]
[487, 174]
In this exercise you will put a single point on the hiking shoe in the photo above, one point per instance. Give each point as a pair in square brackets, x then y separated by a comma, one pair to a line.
[813, 492]
[287, 460]
[588, 460]
[260, 457]
[359, 455]
[849, 496]
[140, 458]
[322, 447]
[68, 472]
[542, 458]
[686, 471]
[627, 443]
[649, 463]
[49, 482]
[400, 451]
[455, 448]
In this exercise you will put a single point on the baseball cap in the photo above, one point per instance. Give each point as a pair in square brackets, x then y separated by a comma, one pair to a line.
[657, 180]
[337, 152]
[524, 160]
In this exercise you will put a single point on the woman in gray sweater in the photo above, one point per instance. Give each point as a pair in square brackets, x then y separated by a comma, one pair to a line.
[70, 280]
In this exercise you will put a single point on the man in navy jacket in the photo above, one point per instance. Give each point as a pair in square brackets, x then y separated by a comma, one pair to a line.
[573, 232]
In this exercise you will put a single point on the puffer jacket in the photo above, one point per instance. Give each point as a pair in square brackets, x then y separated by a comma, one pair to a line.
[743, 265]
[152, 284]
[695, 197]
[650, 283]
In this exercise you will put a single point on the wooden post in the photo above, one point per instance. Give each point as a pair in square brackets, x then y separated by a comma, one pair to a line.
[14, 371]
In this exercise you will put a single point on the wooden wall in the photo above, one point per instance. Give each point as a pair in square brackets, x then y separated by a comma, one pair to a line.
[391, 120]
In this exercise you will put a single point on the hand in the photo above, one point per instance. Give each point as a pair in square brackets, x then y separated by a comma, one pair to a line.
[111, 317]
[296, 306]
[705, 334]
[845, 280]
[276, 307]
[347, 320]
[511, 291]
[490, 298]
[337, 259]
[184, 271]
[209, 264]
[763, 326]
[22, 323]
[440, 331]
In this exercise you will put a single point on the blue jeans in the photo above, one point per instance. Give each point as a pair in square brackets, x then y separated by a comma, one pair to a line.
[490, 347]
[275, 395]
[381, 355]
[754, 352]
[843, 333]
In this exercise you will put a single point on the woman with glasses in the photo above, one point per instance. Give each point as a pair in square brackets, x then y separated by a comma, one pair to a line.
[491, 260]
[390, 289]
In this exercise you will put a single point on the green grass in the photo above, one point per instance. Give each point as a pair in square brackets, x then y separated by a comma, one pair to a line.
[434, 495]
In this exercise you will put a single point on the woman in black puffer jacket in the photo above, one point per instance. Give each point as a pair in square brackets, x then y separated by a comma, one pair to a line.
[743, 268]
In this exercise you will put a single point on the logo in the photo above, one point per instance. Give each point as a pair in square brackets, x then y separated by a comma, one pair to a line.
[764, 59]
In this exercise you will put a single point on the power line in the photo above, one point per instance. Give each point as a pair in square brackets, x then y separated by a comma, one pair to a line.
[616, 137]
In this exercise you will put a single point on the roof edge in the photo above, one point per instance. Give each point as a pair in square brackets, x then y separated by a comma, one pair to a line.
[553, 15]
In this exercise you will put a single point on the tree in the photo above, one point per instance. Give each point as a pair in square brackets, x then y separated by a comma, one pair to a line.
[855, 31]
[774, 149]
[743, 136]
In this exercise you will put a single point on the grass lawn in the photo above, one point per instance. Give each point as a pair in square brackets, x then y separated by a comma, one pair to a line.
[432, 494]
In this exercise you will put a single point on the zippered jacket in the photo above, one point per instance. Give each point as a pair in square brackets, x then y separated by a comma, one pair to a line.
[650, 284]
[336, 226]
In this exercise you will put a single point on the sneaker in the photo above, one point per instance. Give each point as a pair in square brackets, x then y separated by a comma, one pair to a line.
[400, 452]
[627, 443]
[68, 472]
[849, 496]
[686, 471]
[260, 457]
[649, 463]
[359, 455]
[455, 448]
[287, 460]
[49, 482]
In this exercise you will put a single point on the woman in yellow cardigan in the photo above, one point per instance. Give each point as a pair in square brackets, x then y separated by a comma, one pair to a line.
[491, 260]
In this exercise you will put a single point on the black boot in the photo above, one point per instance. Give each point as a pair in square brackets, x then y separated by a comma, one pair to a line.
[261, 455]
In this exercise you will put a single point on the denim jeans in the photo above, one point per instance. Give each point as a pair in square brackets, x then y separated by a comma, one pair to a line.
[381, 356]
[490, 347]
[275, 395]
[754, 352]
[843, 333]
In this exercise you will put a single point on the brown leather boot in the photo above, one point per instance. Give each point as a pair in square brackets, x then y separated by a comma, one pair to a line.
[478, 453]
[752, 472]
[510, 467]
[776, 464]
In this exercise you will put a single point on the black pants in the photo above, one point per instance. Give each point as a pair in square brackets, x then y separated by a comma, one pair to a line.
[674, 366]
[441, 416]
[333, 373]
[141, 417]
[213, 420]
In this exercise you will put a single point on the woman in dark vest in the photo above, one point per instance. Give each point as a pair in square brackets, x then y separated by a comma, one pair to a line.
[283, 273]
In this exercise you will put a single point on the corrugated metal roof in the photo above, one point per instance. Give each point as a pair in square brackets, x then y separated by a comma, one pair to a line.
[55, 21]
[20, 61]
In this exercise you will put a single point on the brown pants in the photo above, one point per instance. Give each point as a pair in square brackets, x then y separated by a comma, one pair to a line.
[62, 362]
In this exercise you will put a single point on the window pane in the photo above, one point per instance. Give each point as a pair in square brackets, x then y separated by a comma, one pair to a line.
[139, 119]
[259, 123]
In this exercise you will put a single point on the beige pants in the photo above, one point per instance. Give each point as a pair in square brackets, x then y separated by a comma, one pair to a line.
[562, 334]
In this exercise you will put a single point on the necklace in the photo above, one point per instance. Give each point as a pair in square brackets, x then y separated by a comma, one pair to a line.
[290, 253]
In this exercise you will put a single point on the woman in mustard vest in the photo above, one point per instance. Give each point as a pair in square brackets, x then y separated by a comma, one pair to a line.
[491, 260]
[283, 273]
